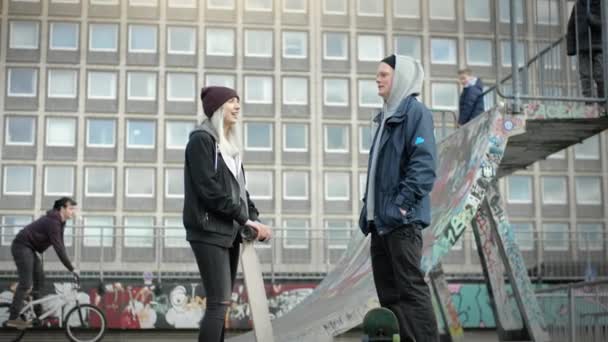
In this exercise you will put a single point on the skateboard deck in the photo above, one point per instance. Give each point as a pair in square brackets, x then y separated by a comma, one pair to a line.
[380, 324]
[254, 283]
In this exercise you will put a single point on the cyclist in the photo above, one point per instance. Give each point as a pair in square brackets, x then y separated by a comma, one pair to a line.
[27, 248]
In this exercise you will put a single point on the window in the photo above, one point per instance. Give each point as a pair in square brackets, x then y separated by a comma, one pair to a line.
[102, 85]
[295, 45]
[295, 91]
[362, 185]
[547, 12]
[479, 52]
[174, 183]
[554, 190]
[98, 229]
[477, 10]
[58, 181]
[259, 184]
[62, 83]
[143, 3]
[141, 86]
[140, 134]
[19, 131]
[220, 4]
[99, 182]
[258, 136]
[561, 155]
[103, 37]
[295, 185]
[505, 48]
[24, 35]
[368, 94]
[180, 87]
[295, 137]
[591, 236]
[443, 51]
[11, 225]
[60, 132]
[335, 46]
[444, 96]
[556, 236]
[139, 232]
[258, 5]
[101, 133]
[336, 139]
[519, 189]
[294, 6]
[220, 42]
[505, 13]
[296, 234]
[442, 9]
[408, 46]
[365, 139]
[588, 190]
[142, 38]
[140, 182]
[370, 48]
[258, 43]
[184, 3]
[175, 233]
[335, 92]
[181, 40]
[18, 180]
[337, 7]
[407, 8]
[338, 233]
[524, 235]
[177, 133]
[258, 89]
[589, 149]
[220, 80]
[104, 2]
[22, 82]
[370, 8]
[64, 36]
[337, 186]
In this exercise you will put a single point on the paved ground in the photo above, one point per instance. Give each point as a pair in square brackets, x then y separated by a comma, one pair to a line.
[179, 336]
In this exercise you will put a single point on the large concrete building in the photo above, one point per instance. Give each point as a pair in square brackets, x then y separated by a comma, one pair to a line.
[99, 97]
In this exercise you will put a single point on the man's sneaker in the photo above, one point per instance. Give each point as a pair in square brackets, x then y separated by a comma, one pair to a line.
[19, 324]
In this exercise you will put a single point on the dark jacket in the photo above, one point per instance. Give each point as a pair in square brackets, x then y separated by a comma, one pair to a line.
[405, 169]
[45, 232]
[471, 103]
[585, 27]
[213, 209]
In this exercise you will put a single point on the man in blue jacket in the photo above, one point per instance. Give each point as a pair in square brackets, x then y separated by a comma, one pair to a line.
[401, 174]
[471, 100]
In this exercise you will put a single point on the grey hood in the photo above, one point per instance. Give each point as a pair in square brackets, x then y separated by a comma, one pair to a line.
[407, 80]
[206, 126]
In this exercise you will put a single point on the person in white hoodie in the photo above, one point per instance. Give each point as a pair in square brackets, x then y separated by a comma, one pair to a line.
[401, 174]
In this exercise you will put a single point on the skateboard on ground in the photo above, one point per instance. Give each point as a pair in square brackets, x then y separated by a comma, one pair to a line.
[380, 324]
[254, 283]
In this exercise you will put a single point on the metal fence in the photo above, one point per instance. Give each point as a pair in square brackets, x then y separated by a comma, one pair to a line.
[576, 312]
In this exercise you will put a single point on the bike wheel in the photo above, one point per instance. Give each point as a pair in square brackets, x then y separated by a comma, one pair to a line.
[85, 323]
[7, 333]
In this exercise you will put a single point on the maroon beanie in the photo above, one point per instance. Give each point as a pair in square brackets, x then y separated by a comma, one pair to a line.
[214, 97]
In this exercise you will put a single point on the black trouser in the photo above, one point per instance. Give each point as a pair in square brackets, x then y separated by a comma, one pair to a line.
[217, 266]
[590, 69]
[400, 282]
[31, 276]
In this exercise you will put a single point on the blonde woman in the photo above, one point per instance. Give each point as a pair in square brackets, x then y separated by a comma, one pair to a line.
[217, 204]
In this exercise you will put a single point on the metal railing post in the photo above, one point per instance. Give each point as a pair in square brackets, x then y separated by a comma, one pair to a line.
[516, 108]
[571, 321]
[605, 51]
[102, 248]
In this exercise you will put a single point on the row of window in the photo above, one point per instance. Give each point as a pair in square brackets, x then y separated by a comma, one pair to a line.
[141, 134]
[140, 182]
[546, 11]
[259, 43]
[554, 190]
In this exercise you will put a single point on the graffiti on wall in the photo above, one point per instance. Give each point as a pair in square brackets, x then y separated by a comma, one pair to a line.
[561, 110]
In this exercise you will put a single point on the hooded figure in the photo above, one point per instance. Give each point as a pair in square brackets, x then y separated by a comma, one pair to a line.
[401, 174]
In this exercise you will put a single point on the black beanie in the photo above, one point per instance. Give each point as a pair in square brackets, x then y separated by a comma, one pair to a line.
[390, 60]
[214, 97]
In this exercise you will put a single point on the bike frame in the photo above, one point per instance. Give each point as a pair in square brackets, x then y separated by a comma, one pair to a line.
[62, 297]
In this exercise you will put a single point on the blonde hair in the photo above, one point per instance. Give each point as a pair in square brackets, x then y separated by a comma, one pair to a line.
[230, 144]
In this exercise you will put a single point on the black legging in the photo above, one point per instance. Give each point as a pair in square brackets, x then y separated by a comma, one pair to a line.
[217, 266]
